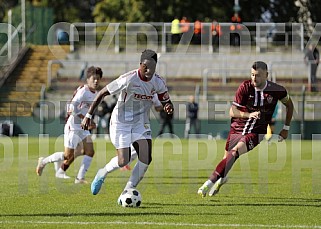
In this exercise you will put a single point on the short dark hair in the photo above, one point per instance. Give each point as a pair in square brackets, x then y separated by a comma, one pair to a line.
[148, 54]
[259, 64]
[92, 70]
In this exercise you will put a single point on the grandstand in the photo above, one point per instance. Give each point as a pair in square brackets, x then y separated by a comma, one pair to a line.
[215, 76]
[22, 90]
[212, 75]
[189, 69]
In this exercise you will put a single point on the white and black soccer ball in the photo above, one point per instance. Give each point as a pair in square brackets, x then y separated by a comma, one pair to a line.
[130, 198]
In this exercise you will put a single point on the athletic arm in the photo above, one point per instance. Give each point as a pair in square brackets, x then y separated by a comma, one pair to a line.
[157, 104]
[168, 107]
[235, 112]
[158, 108]
[101, 94]
[288, 117]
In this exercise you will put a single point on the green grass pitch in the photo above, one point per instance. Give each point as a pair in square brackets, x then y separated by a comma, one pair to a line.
[276, 185]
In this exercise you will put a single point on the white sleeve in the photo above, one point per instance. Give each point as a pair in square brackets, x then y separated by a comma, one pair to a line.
[117, 85]
[162, 90]
[74, 106]
[161, 86]
[156, 101]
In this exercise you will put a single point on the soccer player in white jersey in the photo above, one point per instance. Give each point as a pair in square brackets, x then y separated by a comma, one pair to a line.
[130, 118]
[76, 140]
[79, 150]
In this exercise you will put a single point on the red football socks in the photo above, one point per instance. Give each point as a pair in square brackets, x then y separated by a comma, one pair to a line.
[224, 166]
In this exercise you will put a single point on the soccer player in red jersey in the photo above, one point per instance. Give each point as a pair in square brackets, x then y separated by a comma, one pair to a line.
[251, 112]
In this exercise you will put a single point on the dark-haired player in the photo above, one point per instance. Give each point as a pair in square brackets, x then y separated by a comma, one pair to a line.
[251, 112]
[76, 140]
[130, 118]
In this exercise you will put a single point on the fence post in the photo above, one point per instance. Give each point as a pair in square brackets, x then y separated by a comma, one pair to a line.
[49, 73]
[205, 76]
[41, 109]
[309, 76]
[9, 35]
[302, 113]
[23, 22]
[117, 44]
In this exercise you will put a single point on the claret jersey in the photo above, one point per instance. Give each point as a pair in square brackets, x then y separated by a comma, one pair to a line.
[250, 99]
[136, 96]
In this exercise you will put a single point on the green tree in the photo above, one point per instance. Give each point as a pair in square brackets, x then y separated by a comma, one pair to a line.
[160, 10]
[314, 7]
[69, 11]
[5, 5]
[253, 11]
[119, 11]
[283, 11]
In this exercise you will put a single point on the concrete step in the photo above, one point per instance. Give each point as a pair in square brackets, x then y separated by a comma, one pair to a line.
[7, 113]
[22, 91]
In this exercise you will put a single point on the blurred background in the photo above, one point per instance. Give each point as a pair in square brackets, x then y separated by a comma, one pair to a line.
[205, 49]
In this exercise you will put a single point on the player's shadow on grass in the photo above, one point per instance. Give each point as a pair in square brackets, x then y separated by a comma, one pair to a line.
[158, 205]
[89, 214]
[270, 202]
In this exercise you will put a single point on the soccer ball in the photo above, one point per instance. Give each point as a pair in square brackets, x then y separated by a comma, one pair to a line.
[130, 198]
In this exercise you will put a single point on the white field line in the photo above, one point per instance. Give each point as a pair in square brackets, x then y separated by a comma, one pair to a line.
[163, 224]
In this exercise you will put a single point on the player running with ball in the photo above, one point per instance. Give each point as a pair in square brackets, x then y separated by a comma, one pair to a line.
[130, 118]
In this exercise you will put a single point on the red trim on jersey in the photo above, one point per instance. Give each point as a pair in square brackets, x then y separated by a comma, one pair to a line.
[125, 96]
[141, 77]
[238, 105]
[163, 97]
[160, 78]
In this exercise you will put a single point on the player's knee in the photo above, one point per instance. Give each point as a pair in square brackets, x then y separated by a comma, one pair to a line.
[122, 162]
[68, 157]
[149, 161]
[235, 153]
[90, 153]
[146, 160]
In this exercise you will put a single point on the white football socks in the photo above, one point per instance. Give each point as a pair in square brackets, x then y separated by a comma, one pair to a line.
[84, 167]
[57, 165]
[209, 183]
[112, 165]
[58, 156]
[138, 173]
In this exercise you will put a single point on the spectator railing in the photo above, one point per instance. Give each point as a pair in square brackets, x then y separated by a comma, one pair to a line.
[224, 73]
[157, 36]
[108, 71]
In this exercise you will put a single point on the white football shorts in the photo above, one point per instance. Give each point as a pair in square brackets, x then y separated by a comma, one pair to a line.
[73, 137]
[122, 135]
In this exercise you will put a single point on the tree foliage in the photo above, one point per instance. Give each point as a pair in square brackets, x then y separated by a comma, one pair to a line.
[252, 11]
[160, 10]
[5, 5]
[119, 11]
[69, 11]
[166, 10]
[283, 11]
[315, 9]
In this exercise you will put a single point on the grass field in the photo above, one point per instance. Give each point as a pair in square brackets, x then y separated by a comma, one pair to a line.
[274, 186]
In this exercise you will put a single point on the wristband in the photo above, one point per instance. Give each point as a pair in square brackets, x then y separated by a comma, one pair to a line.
[285, 127]
[88, 116]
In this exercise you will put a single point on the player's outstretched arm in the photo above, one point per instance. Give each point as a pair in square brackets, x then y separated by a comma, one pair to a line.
[85, 124]
[236, 113]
